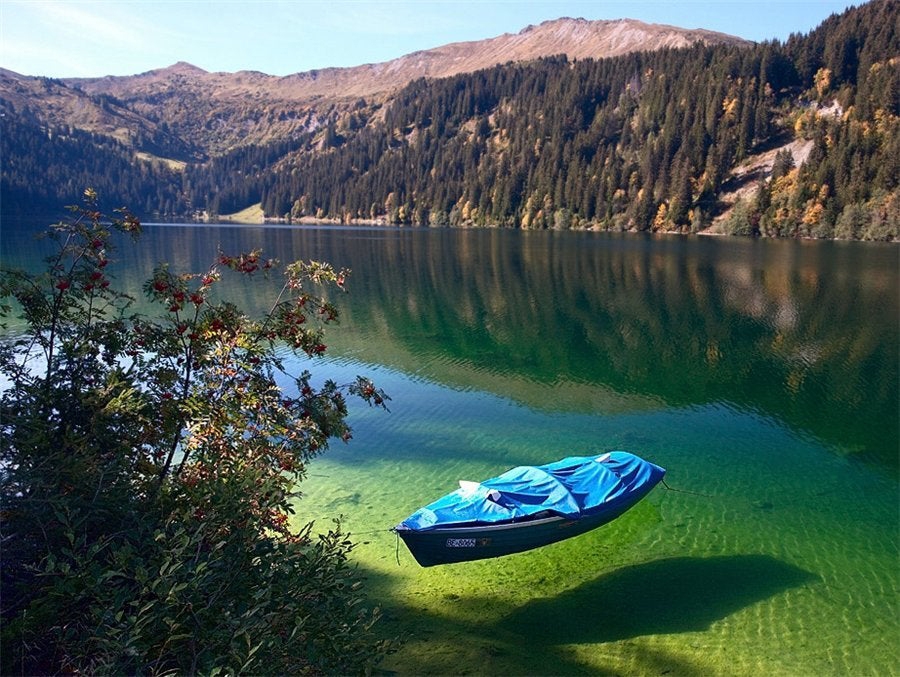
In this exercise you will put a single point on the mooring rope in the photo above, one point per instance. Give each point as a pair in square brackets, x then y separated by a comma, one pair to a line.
[685, 491]
[381, 531]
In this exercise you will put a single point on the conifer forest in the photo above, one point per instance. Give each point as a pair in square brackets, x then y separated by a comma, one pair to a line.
[651, 141]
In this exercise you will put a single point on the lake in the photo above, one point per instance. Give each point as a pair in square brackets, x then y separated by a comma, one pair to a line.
[763, 375]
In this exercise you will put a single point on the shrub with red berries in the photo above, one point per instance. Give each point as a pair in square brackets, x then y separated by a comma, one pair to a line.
[149, 469]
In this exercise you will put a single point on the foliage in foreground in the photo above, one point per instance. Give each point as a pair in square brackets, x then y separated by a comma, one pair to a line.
[148, 468]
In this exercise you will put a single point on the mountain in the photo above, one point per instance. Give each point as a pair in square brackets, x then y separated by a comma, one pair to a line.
[217, 112]
[576, 38]
[572, 123]
[51, 103]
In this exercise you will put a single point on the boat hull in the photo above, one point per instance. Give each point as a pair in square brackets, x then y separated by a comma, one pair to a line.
[449, 545]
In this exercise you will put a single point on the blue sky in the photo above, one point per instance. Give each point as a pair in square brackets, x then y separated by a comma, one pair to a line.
[73, 38]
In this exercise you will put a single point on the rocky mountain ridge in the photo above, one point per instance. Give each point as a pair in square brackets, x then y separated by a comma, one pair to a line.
[576, 38]
[186, 113]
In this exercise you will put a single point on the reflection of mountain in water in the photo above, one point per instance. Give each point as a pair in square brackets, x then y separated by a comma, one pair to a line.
[805, 332]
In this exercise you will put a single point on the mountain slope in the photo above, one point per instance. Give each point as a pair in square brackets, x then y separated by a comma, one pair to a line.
[645, 141]
[50, 103]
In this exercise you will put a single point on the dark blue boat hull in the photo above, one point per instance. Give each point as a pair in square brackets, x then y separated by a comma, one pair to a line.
[449, 545]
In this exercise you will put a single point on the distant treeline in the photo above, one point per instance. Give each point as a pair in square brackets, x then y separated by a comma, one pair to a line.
[646, 141]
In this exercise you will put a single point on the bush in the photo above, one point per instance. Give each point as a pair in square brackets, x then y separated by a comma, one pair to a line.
[884, 222]
[742, 220]
[148, 469]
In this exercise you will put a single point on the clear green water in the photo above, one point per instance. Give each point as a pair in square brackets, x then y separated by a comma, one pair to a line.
[762, 375]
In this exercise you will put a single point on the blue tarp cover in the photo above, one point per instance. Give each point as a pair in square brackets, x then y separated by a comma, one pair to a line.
[573, 487]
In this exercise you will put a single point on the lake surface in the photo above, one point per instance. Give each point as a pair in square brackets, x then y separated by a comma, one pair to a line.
[763, 375]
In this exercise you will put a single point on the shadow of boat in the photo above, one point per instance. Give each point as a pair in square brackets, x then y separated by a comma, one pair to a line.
[682, 594]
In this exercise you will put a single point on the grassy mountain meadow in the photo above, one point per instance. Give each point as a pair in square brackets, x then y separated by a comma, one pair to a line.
[684, 132]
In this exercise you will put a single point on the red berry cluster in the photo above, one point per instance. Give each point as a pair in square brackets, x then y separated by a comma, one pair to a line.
[246, 263]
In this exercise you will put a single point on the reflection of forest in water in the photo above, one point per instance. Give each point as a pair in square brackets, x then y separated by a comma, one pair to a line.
[805, 332]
